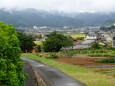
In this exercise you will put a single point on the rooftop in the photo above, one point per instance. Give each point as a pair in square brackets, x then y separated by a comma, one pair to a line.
[88, 41]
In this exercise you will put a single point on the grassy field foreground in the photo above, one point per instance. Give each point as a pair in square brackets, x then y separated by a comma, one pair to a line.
[91, 77]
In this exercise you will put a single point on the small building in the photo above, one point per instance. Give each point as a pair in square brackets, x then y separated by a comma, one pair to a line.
[78, 46]
[91, 36]
[109, 38]
[105, 37]
[84, 45]
[89, 42]
[102, 32]
[113, 43]
[75, 41]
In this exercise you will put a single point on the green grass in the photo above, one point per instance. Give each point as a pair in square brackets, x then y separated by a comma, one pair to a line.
[107, 60]
[107, 53]
[107, 41]
[91, 77]
[38, 42]
[90, 52]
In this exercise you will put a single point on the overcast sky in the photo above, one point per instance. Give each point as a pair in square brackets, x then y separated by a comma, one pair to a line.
[68, 6]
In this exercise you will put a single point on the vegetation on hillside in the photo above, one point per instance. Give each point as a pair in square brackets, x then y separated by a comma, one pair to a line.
[107, 28]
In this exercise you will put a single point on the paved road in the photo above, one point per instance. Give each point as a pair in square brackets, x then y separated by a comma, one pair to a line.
[31, 80]
[52, 76]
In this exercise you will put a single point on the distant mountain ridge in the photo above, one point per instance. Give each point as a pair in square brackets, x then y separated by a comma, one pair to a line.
[33, 17]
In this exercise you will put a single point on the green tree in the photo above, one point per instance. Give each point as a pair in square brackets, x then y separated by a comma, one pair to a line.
[55, 41]
[38, 47]
[26, 42]
[112, 27]
[102, 28]
[96, 45]
[38, 36]
[114, 38]
[11, 72]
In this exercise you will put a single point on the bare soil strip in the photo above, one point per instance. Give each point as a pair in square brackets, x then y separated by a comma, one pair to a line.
[83, 61]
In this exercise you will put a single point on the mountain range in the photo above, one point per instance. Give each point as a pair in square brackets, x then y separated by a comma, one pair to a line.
[33, 17]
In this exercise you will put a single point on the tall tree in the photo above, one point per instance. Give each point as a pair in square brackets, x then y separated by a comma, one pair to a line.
[55, 41]
[26, 42]
[96, 45]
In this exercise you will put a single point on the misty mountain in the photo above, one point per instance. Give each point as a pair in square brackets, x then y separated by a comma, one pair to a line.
[32, 17]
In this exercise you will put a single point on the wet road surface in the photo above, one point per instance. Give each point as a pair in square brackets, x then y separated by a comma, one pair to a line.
[52, 76]
[31, 81]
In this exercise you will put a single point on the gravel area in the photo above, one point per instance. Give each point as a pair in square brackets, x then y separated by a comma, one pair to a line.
[31, 81]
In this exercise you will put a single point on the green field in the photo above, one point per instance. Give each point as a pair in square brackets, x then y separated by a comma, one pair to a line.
[91, 77]
[89, 52]
[108, 42]
[77, 35]
[38, 42]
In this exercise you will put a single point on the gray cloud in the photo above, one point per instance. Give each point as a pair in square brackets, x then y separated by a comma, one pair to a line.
[61, 5]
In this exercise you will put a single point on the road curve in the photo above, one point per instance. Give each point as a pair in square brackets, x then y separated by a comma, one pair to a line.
[52, 76]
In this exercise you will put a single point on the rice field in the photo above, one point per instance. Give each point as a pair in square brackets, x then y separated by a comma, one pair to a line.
[38, 42]
[79, 35]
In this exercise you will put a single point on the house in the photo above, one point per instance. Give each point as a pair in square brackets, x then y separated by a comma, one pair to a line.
[91, 36]
[113, 43]
[84, 45]
[88, 42]
[102, 32]
[78, 46]
[75, 41]
[105, 37]
[109, 38]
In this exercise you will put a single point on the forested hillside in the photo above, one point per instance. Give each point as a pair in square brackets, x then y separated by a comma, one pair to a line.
[31, 17]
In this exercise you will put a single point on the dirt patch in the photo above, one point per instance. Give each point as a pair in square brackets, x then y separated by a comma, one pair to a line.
[81, 61]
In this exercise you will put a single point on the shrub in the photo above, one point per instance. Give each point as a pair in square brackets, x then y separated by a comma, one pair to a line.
[11, 66]
[95, 55]
[108, 60]
[38, 48]
[96, 45]
[111, 48]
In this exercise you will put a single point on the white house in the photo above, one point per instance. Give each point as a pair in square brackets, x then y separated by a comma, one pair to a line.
[108, 38]
[91, 36]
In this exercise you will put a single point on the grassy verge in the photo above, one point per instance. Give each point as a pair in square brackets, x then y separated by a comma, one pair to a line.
[91, 77]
